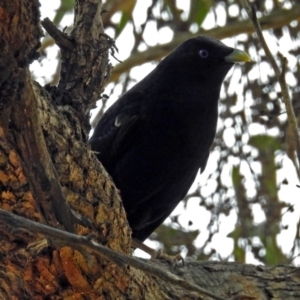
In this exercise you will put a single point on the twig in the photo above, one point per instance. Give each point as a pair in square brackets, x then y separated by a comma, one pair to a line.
[82, 243]
[280, 74]
[60, 38]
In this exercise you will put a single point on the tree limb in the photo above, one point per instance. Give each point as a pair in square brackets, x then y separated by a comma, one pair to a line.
[82, 243]
[276, 19]
[280, 74]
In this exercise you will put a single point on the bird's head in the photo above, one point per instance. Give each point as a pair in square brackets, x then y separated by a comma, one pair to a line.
[202, 60]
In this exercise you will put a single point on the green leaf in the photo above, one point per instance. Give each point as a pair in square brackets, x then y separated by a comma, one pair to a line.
[122, 24]
[265, 143]
[127, 9]
[199, 10]
[65, 7]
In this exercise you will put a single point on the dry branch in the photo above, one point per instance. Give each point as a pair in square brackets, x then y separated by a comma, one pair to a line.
[280, 74]
[276, 19]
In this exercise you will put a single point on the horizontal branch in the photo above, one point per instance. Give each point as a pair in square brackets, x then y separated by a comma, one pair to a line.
[83, 243]
[276, 19]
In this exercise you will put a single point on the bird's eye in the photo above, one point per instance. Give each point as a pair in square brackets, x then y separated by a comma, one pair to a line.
[203, 53]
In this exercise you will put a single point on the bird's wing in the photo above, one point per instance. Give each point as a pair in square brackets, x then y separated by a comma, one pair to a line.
[118, 128]
[128, 128]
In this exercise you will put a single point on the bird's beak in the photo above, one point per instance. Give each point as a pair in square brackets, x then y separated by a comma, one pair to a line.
[237, 56]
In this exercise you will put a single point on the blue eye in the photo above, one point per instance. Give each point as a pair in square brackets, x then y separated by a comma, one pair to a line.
[203, 53]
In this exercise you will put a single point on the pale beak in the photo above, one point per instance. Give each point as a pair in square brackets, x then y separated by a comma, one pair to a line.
[237, 56]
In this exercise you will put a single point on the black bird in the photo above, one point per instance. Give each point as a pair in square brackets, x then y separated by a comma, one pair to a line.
[156, 137]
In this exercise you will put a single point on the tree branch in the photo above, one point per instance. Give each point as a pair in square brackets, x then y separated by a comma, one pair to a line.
[60, 38]
[280, 74]
[83, 243]
[85, 68]
[37, 162]
[276, 19]
[18, 101]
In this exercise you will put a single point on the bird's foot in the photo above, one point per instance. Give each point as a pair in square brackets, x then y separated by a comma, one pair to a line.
[177, 261]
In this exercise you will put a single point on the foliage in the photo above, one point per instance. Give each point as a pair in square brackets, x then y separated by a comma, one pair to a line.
[254, 168]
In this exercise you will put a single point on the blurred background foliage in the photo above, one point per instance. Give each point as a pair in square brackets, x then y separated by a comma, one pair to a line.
[252, 177]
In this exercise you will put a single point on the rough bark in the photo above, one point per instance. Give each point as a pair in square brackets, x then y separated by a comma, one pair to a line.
[49, 175]
[45, 166]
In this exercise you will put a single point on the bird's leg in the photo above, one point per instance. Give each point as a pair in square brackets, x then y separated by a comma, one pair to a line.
[174, 260]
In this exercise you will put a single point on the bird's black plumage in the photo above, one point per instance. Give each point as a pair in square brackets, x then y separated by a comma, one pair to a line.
[157, 136]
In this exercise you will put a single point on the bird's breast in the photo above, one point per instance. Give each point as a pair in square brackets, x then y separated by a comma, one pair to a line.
[181, 131]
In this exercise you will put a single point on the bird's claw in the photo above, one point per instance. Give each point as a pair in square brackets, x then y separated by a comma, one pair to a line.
[177, 261]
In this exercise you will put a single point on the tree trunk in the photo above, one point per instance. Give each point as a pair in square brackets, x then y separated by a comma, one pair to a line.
[49, 175]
